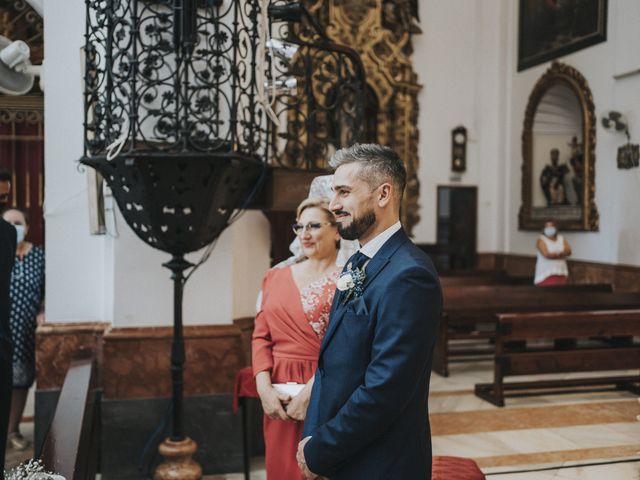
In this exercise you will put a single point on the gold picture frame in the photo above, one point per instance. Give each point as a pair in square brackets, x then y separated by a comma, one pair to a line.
[558, 153]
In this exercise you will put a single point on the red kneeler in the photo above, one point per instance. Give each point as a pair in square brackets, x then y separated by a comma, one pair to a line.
[444, 468]
[455, 468]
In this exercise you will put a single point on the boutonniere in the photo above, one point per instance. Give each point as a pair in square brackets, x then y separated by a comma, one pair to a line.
[33, 469]
[352, 282]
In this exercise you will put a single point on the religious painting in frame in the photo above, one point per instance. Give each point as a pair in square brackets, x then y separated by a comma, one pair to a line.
[549, 29]
[558, 153]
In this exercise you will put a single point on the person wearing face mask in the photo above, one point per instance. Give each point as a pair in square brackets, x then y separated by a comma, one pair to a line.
[289, 327]
[551, 263]
[27, 295]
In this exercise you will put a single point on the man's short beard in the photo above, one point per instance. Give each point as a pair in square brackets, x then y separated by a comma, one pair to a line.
[358, 226]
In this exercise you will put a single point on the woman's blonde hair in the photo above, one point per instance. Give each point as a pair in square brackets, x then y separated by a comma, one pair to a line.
[318, 202]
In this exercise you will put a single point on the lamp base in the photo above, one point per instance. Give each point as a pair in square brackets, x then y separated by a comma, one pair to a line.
[178, 464]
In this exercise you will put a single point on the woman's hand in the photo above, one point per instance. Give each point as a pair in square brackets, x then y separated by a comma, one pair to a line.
[272, 400]
[297, 408]
[273, 404]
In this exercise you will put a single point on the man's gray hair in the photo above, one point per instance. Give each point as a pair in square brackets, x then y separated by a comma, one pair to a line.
[378, 163]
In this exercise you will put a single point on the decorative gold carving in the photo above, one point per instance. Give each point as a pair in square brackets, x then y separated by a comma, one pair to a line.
[561, 74]
[380, 31]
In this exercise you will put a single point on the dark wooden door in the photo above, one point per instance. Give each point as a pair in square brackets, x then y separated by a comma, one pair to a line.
[456, 231]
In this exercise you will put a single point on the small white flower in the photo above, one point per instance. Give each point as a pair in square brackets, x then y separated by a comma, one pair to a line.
[345, 282]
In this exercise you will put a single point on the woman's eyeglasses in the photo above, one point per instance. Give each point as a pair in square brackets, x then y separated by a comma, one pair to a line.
[298, 228]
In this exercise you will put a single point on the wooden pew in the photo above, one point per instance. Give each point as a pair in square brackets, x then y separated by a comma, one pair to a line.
[456, 293]
[603, 355]
[486, 279]
[71, 445]
[469, 312]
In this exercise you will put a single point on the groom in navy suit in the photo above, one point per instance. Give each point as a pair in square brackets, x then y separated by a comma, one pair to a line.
[368, 414]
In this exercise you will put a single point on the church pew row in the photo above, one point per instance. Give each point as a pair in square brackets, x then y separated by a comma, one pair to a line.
[482, 279]
[606, 353]
[469, 313]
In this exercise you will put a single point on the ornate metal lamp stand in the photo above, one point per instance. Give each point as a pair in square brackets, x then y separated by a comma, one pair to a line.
[173, 125]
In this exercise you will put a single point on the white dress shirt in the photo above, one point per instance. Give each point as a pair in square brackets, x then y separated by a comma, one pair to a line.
[375, 244]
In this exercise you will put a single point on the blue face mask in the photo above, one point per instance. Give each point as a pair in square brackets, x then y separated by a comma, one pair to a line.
[20, 231]
[550, 231]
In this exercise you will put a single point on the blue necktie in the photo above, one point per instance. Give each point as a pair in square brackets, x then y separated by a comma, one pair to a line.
[357, 260]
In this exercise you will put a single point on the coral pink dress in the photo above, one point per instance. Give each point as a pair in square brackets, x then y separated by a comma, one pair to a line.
[286, 340]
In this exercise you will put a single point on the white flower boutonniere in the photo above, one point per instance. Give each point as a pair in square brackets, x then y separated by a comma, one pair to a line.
[345, 282]
[352, 282]
[31, 470]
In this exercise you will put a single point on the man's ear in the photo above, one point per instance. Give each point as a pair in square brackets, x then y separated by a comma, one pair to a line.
[385, 194]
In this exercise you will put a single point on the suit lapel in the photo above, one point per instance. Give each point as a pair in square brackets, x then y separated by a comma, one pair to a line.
[373, 268]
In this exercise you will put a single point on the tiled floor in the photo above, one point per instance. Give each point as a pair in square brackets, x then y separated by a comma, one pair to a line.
[14, 458]
[563, 436]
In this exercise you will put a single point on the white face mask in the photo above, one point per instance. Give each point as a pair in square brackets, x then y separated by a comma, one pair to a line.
[20, 231]
[550, 231]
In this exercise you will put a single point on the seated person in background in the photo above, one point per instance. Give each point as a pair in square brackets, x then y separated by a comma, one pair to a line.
[551, 264]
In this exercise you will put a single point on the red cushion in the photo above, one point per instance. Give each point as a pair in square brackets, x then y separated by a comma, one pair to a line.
[455, 468]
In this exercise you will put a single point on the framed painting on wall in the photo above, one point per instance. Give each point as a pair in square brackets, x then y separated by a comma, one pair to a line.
[549, 29]
[558, 153]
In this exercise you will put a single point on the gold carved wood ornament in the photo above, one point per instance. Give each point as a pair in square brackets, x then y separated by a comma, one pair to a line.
[380, 31]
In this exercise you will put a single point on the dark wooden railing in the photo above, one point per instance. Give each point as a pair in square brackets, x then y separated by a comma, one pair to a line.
[70, 447]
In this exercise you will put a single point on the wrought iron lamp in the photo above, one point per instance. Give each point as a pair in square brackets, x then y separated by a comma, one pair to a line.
[174, 125]
[179, 120]
[326, 109]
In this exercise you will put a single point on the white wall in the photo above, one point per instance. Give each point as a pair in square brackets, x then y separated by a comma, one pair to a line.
[223, 288]
[117, 278]
[458, 59]
[251, 260]
[617, 191]
[74, 259]
[466, 61]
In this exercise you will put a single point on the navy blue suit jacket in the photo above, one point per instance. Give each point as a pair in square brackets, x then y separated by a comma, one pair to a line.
[368, 414]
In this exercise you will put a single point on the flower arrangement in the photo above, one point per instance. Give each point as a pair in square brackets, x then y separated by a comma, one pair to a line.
[352, 282]
[31, 470]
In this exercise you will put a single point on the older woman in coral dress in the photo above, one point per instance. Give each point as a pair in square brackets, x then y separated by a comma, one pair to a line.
[293, 317]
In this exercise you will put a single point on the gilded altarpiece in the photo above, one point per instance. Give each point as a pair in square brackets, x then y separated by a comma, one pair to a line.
[381, 32]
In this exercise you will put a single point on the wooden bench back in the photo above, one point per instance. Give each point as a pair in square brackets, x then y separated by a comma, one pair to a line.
[579, 324]
[557, 325]
[479, 280]
[483, 300]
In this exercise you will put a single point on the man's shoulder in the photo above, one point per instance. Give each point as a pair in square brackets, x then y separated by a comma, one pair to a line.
[410, 258]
